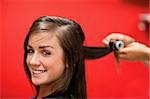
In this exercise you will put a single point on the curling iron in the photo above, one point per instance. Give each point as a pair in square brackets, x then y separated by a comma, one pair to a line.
[115, 46]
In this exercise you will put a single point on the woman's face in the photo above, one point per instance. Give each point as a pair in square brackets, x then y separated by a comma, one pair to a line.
[45, 58]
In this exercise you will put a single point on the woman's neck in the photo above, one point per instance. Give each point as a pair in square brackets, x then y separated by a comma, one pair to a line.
[44, 90]
[47, 89]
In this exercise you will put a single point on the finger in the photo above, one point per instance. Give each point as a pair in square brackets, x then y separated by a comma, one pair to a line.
[123, 50]
[114, 36]
[132, 44]
[106, 42]
[123, 56]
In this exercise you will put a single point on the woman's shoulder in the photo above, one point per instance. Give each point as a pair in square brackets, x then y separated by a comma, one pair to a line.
[60, 96]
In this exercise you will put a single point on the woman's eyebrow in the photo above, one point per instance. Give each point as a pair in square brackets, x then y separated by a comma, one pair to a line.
[29, 46]
[42, 46]
[45, 46]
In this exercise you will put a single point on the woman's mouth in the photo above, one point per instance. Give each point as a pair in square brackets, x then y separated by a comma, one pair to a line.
[38, 71]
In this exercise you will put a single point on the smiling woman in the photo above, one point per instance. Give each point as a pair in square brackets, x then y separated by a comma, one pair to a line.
[45, 58]
[54, 57]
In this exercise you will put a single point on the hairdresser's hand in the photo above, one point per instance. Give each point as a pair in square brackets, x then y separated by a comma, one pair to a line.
[135, 52]
[116, 36]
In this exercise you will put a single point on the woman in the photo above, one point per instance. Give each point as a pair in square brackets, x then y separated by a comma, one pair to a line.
[54, 58]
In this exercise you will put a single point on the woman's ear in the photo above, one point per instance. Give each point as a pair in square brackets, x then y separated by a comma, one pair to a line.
[67, 66]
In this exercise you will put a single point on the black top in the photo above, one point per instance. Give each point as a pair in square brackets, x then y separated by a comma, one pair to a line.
[59, 96]
[64, 95]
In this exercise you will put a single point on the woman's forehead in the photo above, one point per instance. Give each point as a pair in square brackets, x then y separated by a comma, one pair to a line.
[42, 37]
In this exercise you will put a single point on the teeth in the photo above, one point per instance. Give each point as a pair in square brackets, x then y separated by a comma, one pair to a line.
[35, 71]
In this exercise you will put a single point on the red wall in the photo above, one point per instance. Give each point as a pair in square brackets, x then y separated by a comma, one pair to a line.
[97, 18]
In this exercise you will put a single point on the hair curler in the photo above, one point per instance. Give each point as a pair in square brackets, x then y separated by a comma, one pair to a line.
[119, 44]
[115, 46]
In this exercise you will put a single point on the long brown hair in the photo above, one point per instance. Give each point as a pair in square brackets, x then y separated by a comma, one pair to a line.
[71, 38]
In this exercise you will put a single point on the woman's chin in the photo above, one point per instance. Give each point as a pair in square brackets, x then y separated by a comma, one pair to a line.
[36, 83]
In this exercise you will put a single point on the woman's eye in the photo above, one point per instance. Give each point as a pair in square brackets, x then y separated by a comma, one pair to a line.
[46, 53]
[30, 51]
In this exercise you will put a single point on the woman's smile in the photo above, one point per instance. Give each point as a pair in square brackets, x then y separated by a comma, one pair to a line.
[37, 72]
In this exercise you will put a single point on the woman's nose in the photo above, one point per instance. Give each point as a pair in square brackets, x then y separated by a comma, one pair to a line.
[35, 60]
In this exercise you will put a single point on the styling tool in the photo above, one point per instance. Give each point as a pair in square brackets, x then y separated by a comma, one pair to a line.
[115, 46]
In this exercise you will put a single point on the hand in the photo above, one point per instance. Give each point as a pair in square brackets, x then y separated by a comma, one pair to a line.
[135, 52]
[116, 36]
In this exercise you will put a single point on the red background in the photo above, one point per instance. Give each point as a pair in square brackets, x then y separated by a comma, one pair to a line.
[98, 18]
